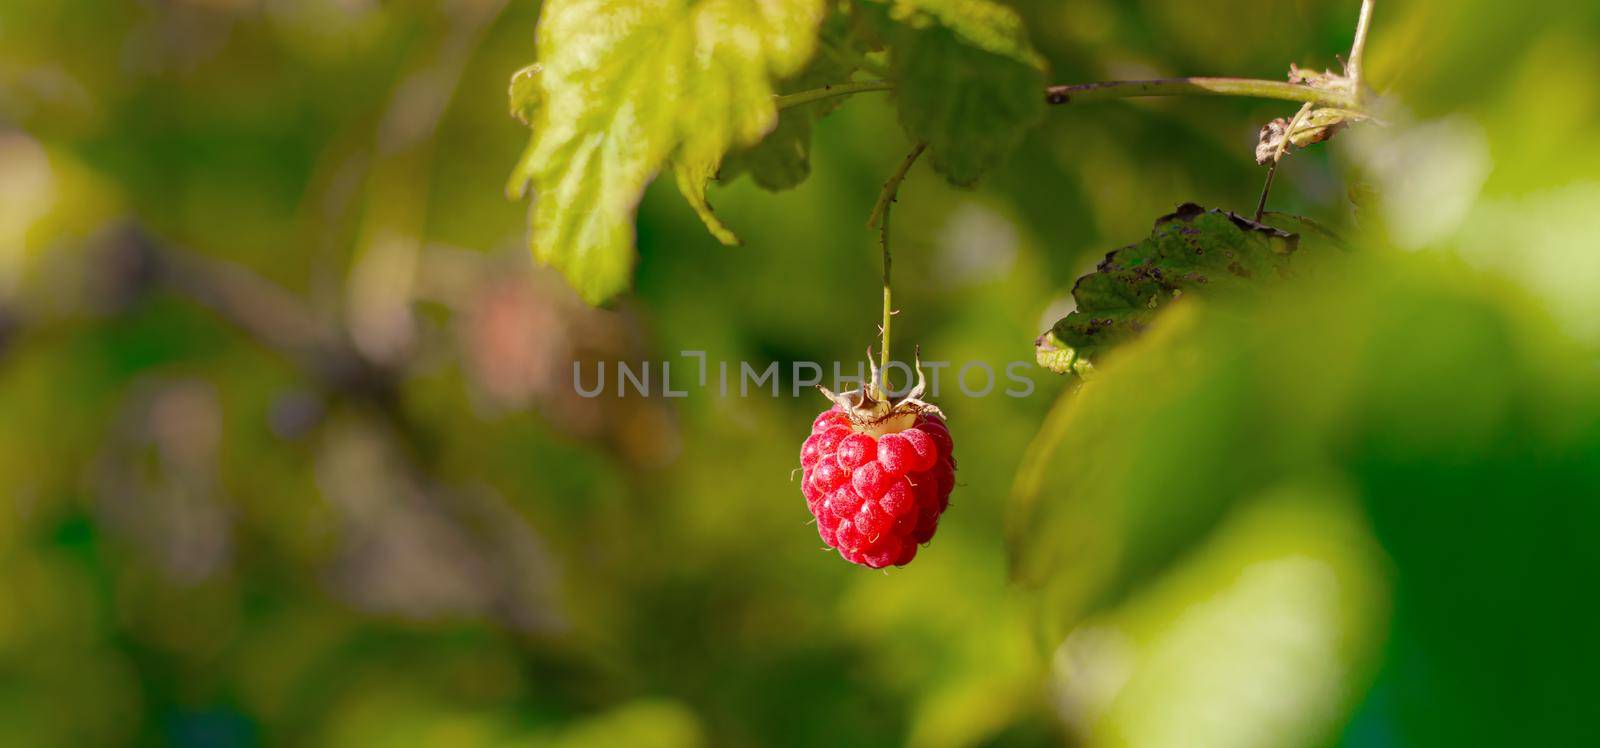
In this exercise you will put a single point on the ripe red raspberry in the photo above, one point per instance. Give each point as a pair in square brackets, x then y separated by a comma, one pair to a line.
[877, 476]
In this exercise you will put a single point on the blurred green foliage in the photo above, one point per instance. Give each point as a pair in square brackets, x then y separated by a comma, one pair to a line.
[1310, 407]
[290, 453]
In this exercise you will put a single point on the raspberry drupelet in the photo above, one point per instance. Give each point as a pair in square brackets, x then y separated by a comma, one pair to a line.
[877, 475]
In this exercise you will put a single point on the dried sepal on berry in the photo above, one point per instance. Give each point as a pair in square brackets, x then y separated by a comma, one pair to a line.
[870, 409]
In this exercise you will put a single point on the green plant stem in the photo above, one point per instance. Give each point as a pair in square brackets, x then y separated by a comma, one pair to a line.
[880, 220]
[1353, 69]
[1106, 90]
[837, 89]
[1277, 156]
[1199, 86]
[1266, 189]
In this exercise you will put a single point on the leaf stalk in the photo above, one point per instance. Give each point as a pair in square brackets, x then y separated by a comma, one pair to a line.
[880, 220]
[1358, 49]
[829, 91]
[1130, 89]
[1200, 86]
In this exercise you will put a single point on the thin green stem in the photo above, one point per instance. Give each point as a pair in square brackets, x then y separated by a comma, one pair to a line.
[1105, 90]
[1358, 49]
[880, 219]
[1277, 156]
[837, 89]
[891, 188]
[1200, 86]
[1288, 134]
[1266, 189]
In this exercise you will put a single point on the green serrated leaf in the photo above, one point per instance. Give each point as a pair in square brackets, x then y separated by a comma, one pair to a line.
[692, 180]
[779, 162]
[625, 87]
[1192, 250]
[525, 94]
[967, 81]
[782, 160]
[1052, 354]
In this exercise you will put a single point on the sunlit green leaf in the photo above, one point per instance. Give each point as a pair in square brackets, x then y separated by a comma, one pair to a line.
[525, 94]
[626, 87]
[692, 178]
[782, 159]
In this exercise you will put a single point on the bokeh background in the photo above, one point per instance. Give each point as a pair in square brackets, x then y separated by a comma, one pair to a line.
[290, 452]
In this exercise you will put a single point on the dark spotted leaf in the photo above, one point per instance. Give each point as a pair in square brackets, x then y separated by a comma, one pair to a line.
[1193, 250]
